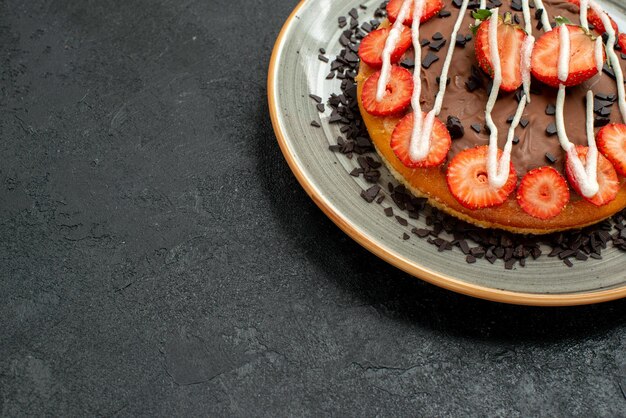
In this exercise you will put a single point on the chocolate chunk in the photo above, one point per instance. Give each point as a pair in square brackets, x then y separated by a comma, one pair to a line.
[320, 107]
[405, 236]
[455, 127]
[401, 220]
[477, 127]
[609, 71]
[604, 112]
[322, 58]
[550, 158]
[429, 60]
[599, 122]
[437, 45]
[524, 123]
[457, 3]
[389, 212]
[515, 140]
[407, 63]
[551, 129]
[422, 233]
[444, 13]
[437, 36]
[424, 42]
[550, 110]
[318, 99]
[460, 40]
[315, 124]
[516, 5]
[354, 14]
[370, 194]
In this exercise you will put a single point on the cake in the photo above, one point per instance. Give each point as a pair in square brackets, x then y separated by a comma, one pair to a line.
[547, 153]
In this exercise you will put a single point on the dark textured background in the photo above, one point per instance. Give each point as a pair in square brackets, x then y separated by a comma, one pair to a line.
[159, 258]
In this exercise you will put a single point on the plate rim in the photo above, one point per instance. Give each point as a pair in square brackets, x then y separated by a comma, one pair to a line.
[388, 255]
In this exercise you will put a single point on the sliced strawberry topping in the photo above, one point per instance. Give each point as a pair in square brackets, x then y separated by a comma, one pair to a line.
[582, 64]
[607, 178]
[397, 98]
[612, 144]
[431, 8]
[371, 49]
[440, 143]
[621, 41]
[468, 180]
[510, 40]
[595, 20]
[543, 193]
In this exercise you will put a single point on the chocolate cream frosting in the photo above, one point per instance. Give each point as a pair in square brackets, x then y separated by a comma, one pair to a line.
[469, 107]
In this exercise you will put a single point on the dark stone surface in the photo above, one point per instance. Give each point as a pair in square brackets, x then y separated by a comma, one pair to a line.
[159, 258]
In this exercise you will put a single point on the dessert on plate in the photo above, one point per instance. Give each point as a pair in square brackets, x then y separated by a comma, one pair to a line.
[507, 114]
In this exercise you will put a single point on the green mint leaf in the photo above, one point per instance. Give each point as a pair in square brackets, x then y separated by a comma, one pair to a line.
[560, 20]
[482, 14]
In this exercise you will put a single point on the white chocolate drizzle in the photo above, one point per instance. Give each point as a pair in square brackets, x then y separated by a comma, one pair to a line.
[584, 5]
[599, 56]
[390, 45]
[564, 53]
[613, 58]
[420, 139]
[545, 20]
[497, 171]
[586, 176]
[527, 49]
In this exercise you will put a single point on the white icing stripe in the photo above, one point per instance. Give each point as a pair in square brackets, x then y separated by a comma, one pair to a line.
[420, 140]
[564, 53]
[496, 176]
[588, 183]
[560, 123]
[390, 45]
[592, 153]
[584, 5]
[599, 57]
[586, 176]
[504, 165]
[417, 76]
[613, 59]
[527, 53]
[545, 19]
[527, 49]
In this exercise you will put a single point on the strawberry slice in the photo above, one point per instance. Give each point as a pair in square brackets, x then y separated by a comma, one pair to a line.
[469, 183]
[612, 144]
[595, 20]
[621, 41]
[371, 49]
[582, 64]
[543, 193]
[431, 8]
[510, 40]
[607, 179]
[440, 143]
[398, 97]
